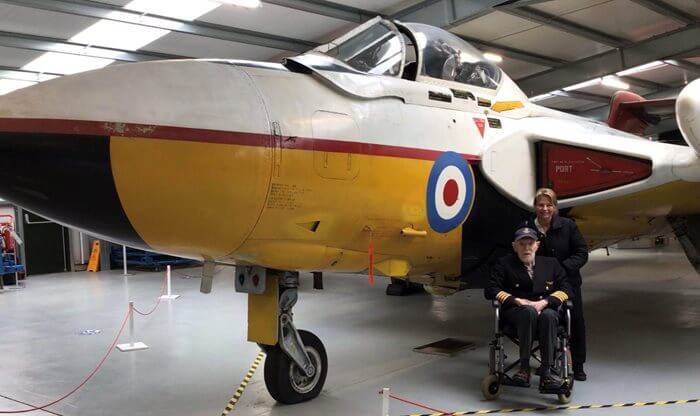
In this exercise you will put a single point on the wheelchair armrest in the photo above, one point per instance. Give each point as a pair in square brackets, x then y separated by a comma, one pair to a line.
[497, 317]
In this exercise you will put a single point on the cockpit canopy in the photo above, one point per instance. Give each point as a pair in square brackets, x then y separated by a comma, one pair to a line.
[412, 51]
[378, 49]
[447, 57]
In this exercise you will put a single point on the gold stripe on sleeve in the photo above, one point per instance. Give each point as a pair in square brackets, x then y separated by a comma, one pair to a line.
[502, 296]
[562, 296]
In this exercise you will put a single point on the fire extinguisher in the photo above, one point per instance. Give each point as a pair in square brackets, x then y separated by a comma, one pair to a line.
[8, 241]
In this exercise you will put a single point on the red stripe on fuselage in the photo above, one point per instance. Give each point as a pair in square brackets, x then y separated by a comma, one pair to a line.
[105, 128]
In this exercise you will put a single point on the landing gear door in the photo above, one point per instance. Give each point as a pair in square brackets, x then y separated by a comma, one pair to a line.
[509, 164]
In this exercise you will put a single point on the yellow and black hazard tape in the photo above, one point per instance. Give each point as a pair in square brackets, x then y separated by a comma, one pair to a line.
[241, 387]
[551, 408]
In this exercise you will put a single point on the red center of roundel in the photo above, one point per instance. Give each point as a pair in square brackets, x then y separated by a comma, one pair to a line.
[450, 193]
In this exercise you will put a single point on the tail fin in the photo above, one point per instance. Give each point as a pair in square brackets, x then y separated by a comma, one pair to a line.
[633, 113]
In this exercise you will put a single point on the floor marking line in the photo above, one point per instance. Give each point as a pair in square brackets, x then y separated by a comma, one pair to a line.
[555, 408]
[244, 383]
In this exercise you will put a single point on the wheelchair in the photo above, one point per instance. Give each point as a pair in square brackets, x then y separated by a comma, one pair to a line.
[499, 371]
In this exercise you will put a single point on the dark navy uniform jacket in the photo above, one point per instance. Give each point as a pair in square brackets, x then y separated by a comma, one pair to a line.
[565, 243]
[510, 280]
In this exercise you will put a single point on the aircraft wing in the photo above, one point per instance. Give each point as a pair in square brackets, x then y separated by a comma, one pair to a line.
[615, 185]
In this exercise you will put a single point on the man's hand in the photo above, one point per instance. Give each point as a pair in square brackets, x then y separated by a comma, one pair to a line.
[540, 305]
[522, 302]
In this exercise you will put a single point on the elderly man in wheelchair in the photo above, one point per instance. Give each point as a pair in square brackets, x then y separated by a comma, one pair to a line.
[530, 294]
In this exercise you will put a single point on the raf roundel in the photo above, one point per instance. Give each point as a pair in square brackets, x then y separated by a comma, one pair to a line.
[450, 193]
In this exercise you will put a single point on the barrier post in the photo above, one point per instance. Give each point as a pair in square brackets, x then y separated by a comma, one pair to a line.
[124, 259]
[169, 295]
[131, 346]
[82, 248]
[385, 401]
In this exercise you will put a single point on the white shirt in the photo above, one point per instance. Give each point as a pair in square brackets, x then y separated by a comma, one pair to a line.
[539, 227]
[530, 268]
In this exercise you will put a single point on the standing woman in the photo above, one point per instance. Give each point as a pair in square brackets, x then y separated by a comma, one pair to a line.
[561, 238]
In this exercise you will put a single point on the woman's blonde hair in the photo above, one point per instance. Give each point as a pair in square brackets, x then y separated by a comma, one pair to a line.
[546, 193]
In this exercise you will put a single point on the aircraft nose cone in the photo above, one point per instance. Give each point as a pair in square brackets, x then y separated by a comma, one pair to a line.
[174, 156]
[66, 177]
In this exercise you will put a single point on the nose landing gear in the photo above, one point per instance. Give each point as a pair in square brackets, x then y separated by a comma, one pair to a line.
[286, 381]
[296, 363]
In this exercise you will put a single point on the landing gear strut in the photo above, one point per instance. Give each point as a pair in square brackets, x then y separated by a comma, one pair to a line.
[296, 367]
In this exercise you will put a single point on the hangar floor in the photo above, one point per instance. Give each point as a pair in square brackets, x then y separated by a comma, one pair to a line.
[642, 311]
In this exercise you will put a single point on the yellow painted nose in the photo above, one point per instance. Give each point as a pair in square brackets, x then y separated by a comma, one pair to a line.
[191, 198]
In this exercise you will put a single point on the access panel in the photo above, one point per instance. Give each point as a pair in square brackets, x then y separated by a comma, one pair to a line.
[573, 171]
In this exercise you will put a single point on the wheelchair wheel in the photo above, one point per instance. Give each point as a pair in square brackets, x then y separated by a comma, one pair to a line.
[564, 398]
[490, 387]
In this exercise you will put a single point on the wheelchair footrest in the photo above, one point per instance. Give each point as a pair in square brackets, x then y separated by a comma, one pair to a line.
[564, 389]
[507, 381]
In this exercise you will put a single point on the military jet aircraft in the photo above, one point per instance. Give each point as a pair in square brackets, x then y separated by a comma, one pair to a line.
[396, 148]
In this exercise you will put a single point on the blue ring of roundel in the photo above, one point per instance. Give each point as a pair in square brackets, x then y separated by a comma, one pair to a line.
[436, 222]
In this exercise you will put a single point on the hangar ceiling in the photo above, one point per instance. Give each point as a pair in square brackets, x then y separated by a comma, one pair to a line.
[570, 55]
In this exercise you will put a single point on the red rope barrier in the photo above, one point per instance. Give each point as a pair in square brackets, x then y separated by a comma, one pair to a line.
[162, 292]
[29, 404]
[92, 373]
[416, 404]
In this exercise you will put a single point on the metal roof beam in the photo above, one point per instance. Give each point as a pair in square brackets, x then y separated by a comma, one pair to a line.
[326, 8]
[99, 10]
[541, 17]
[446, 13]
[601, 112]
[643, 83]
[580, 95]
[450, 13]
[665, 46]
[665, 9]
[47, 44]
[515, 53]
[683, 64]
[12, 72]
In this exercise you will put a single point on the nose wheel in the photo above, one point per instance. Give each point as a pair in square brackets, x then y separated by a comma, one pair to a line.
[286, 381]
[296, 364]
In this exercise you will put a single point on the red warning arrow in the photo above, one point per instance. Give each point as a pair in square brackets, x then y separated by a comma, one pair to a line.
[480, 124]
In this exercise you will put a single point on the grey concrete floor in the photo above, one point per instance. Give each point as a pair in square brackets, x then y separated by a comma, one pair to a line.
[641, 306]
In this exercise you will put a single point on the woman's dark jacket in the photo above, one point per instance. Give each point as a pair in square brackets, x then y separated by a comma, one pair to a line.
[565, 243]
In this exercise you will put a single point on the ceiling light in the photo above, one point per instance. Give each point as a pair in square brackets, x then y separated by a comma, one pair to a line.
[64, 63]
[182, 9]
[119, 35]
[251, 4]
[584, 84]
[45, 77]
[144, 20]
[540, 97]
[9, 85]
[614, 82]
[493, 57]
[26, 76]
[640, 68]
